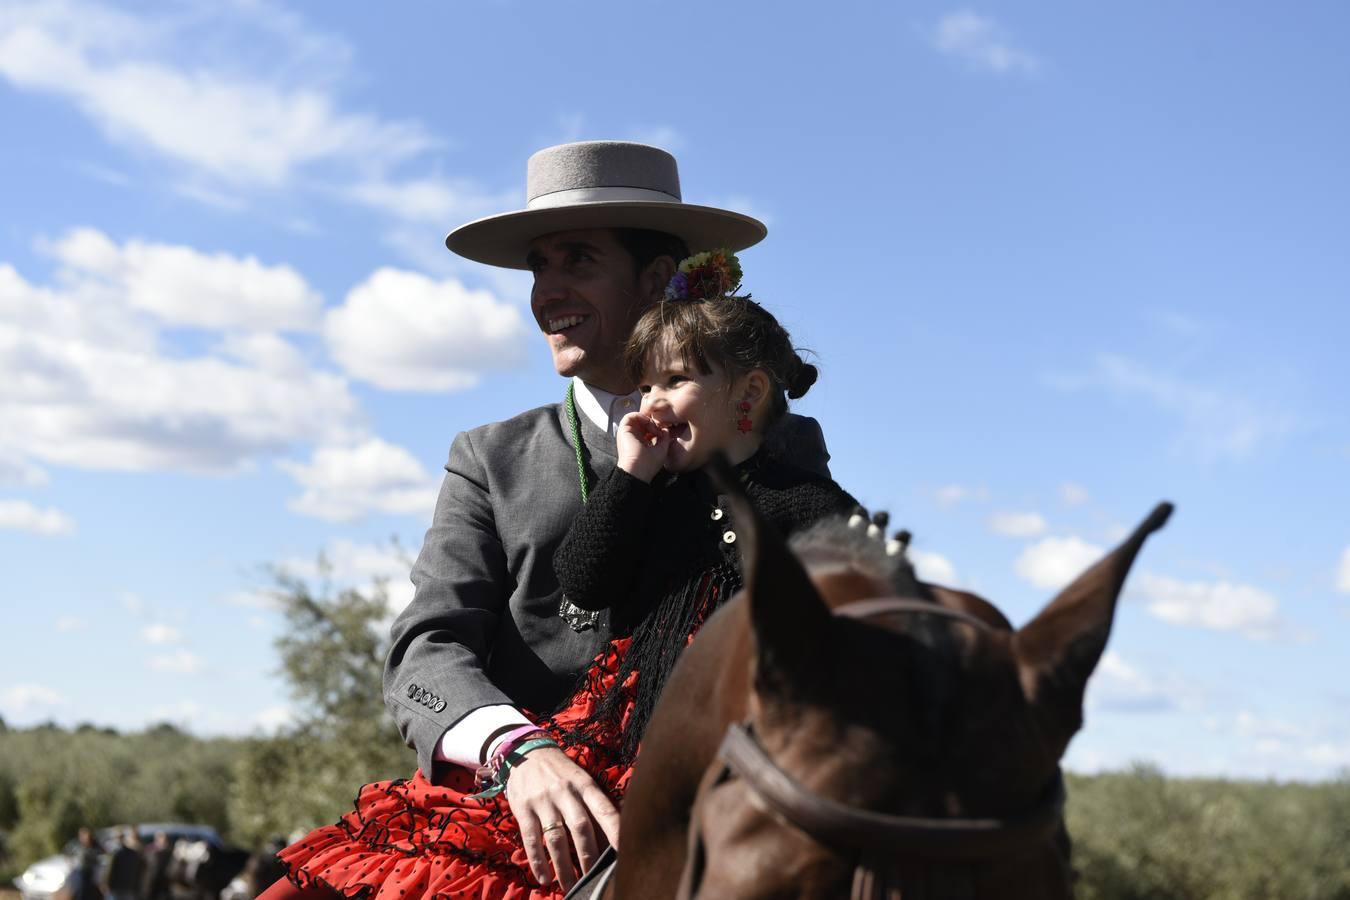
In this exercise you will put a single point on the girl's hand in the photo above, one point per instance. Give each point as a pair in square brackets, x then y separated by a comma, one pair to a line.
[642, 445]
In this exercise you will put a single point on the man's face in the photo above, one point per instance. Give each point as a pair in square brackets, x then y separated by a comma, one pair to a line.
[587, 296]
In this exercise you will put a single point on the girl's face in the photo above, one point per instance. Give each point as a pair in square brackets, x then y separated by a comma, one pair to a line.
[698, 411]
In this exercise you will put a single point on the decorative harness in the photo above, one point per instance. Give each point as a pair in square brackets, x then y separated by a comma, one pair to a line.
[873, 839]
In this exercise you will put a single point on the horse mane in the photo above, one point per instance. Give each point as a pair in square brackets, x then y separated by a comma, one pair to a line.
[834, 544]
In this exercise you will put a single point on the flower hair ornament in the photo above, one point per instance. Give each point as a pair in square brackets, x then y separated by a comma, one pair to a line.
[706, 276]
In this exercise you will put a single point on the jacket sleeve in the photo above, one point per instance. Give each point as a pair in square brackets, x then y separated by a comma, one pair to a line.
[597, 562]
[435, 672]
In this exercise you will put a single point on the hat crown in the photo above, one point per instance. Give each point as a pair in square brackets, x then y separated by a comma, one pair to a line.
[599, 165]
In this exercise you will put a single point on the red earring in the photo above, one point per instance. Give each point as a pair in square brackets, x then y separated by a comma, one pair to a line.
[743, 423]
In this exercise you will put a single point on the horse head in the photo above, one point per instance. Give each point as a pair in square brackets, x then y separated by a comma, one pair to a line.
[885, 744]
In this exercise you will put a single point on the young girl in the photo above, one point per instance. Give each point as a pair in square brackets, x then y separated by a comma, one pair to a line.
[654, 549]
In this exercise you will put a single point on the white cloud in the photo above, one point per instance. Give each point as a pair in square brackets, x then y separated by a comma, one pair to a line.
[430, 200]
[254, 107]
[352, 562]
[15, 471]
[20, 515]
[182, 286]
[404, 331]
[343, 483]
[1071, 494]
[1020, 525]
[362, 566]
[1217, 606]
[89, 378]
[160, 633]
[71, 623]
[933, 568]
[246, 129]
[981, 42]
[1343, 576]
[1119, 686]
[251, 600]
[22, 698]
[181, 662]
[1249, 724]
[952, 494]
[1216, 423]
[1055, 561]
[274, 718]
[663, 136]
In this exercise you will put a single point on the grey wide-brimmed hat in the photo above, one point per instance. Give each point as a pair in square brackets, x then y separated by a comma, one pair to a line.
[601, 184]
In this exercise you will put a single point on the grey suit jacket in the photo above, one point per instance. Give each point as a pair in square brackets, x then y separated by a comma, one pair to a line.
[483, 626]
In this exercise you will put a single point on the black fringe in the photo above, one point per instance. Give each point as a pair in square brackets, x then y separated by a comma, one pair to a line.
[658, 640]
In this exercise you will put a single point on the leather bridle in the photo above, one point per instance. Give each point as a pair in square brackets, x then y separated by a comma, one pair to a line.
[873, 840]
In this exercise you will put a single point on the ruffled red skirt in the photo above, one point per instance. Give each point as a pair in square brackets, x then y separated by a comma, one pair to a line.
[412, 839]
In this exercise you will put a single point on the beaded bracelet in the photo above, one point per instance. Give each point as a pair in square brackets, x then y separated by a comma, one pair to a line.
[492, 777]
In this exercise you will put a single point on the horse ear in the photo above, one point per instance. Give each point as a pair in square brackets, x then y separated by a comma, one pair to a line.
[787, 614]
[1057, 650]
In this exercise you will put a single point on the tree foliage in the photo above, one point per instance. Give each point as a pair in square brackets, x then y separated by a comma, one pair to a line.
[332, 656]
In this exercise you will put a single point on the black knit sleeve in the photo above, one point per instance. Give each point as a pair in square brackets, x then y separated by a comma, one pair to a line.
[597, 561]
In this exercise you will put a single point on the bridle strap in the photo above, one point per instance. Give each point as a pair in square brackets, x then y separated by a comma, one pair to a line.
[884, 606]
[847, 829]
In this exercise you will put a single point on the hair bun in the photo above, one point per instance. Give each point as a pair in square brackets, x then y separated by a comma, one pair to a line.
[800, 378]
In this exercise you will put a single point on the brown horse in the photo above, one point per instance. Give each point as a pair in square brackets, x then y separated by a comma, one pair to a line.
[814, 742]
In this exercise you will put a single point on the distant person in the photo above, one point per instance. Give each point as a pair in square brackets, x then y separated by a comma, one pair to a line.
[263, 868]
[158, 858]
[83, 883]
[126, 869]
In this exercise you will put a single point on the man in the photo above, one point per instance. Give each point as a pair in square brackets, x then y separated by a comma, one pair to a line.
[83, 881]
[126, 870]
[488, 633]
[158, 859]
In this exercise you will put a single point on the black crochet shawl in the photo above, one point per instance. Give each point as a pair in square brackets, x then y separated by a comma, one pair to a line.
[661, 557]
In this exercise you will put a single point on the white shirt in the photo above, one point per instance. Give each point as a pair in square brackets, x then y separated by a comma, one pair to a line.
[464, 741]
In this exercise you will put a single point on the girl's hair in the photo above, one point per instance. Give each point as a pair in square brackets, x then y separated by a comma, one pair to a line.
[733, 333]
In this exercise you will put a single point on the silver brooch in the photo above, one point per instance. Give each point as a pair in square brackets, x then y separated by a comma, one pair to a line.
[577, 618]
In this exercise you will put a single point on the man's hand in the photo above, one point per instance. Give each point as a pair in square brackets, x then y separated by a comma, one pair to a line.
[557, 805]
[642, 446]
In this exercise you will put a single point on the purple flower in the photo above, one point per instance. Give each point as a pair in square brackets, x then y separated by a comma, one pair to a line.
[678, 289]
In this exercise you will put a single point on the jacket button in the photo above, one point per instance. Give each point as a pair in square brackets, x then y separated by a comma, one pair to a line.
[728, 537]
[717, 515]
[439, 707]
[412, 692]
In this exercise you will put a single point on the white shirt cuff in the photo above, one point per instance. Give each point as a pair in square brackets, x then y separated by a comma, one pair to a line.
[463, 742]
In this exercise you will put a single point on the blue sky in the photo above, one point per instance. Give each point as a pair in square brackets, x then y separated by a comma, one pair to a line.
[1057, 262]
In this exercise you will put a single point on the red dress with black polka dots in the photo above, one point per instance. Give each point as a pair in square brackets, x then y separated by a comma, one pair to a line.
[414, 839]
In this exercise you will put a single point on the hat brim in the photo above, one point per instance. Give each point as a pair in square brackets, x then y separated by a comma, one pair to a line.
[504, 240]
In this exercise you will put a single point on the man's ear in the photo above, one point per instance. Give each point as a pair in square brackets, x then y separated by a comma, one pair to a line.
[653, 279]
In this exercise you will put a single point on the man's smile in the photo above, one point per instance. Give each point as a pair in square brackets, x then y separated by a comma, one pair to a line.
[562, 324]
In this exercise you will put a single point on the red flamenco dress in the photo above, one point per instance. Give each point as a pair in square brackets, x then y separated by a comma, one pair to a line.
[410, 838]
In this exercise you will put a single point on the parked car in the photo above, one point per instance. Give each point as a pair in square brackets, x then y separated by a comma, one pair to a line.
[44, 878]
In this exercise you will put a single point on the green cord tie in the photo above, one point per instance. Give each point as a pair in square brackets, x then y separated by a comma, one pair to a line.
[571, 404]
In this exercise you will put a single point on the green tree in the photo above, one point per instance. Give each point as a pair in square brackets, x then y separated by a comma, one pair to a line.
[332, 657]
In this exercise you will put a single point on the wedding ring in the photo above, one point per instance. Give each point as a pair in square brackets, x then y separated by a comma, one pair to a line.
[553, 827]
